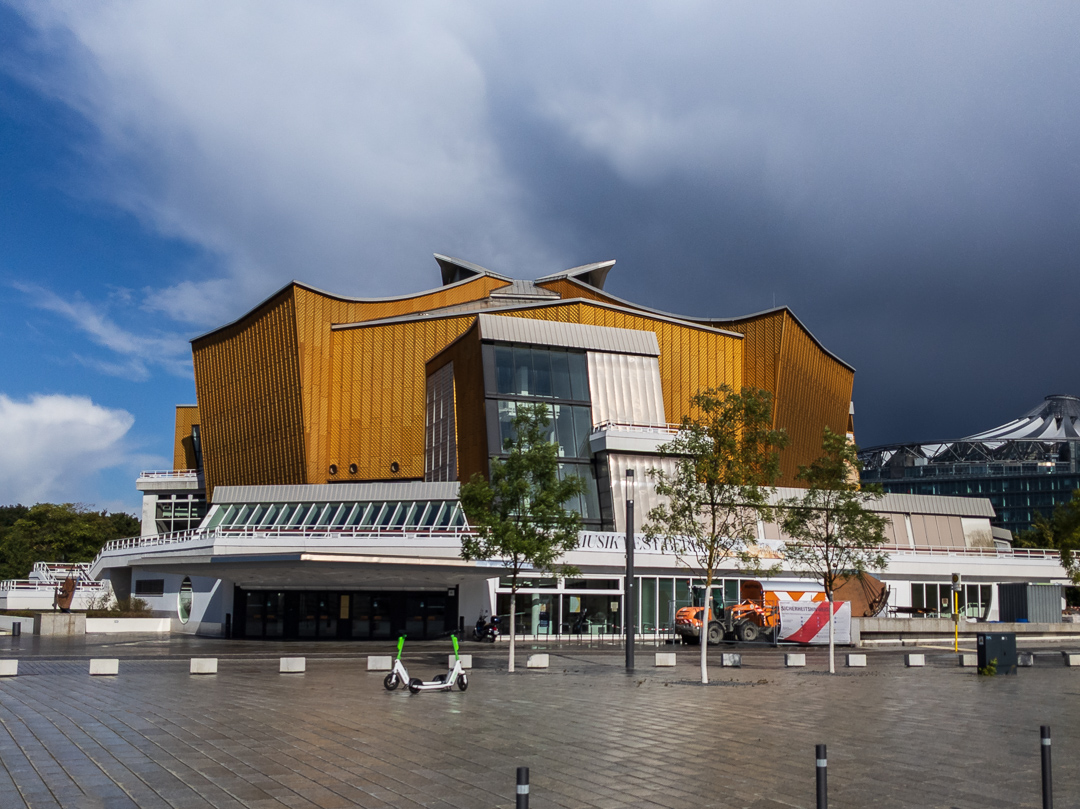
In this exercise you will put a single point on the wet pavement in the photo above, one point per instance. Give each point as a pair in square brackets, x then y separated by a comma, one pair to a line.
[592, 735]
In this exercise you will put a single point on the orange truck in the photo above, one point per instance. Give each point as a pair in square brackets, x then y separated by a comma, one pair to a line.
[756, 614]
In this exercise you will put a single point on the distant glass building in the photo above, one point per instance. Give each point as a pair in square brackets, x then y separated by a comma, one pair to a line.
[1026, 466]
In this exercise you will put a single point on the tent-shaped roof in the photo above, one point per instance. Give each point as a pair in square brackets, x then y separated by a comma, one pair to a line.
[1057, 418]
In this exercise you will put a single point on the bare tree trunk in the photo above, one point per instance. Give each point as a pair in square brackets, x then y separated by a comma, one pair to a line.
[513, 612]
[832, 637]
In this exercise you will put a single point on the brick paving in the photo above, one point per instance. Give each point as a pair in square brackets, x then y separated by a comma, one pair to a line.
[155, 736]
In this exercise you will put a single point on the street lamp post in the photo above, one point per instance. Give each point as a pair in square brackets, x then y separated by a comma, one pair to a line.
[629, 589]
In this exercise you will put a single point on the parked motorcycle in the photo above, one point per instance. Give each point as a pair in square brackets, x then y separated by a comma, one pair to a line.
[485, 630]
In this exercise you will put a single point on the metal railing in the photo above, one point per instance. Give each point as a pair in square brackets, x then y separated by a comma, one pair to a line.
[670, 429]
[988, 553]
[45, 586]
[171, 473]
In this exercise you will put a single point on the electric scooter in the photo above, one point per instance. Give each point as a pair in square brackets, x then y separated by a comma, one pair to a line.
[398, 674]
[444, 682]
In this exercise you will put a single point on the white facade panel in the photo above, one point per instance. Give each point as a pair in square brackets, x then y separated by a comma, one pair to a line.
[625, 389]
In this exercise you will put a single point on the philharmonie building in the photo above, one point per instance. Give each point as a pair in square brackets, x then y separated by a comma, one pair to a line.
[314, 492]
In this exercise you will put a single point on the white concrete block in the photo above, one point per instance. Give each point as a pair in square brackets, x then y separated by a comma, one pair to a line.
[9, 667]
[537, 662]
[664, 659]
[968, 660]
[293, 665]
[1071, 658]
[203, 665]
[466, 661]
[380, 663]
[855, 661]
[793, 661]
[731, 660]
[105, 665]
[914, 660]
[1025, 659]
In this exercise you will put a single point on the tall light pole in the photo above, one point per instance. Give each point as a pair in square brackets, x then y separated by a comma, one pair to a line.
[629, 589]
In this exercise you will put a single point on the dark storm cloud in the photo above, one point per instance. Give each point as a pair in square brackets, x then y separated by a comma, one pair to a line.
[904, 176]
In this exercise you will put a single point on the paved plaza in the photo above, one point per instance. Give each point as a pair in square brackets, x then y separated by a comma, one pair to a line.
[156, 736]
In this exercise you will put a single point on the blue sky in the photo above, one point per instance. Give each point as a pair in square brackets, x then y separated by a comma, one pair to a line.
[904, 176]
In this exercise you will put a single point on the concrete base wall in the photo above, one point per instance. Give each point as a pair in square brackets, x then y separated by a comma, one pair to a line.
[60, 623]
[120, 625]
[874, 631]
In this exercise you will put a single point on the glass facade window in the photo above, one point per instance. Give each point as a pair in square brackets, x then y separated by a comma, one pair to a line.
[542, 373]
[404, 515]
[179, 513]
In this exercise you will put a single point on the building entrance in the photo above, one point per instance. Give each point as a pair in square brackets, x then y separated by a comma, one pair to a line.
[344, 614]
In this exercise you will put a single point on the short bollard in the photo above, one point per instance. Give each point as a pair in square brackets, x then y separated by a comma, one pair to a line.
[1047, 784]
[16, 629]
[522, 788]
[822, 775]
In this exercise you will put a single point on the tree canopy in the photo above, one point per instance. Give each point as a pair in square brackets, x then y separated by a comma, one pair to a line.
[833, 532]
[726, 456]
[1060, 532]
[51, 532]
[519, 514]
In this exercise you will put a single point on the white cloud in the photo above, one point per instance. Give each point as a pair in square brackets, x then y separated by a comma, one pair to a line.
[139, 351]
[53, 445]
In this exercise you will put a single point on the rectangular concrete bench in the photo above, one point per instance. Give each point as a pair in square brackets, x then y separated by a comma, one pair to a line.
[856, 661]
[9, 667]
[293, 665]
[466, 661]
[104, 665]
[1025, 659]
[537, 662]
[792, 660]
[914, 661]
[664, 659]
[731, 660]
[968, 660]
[380, 663]
[203, 665]
[1071, 658]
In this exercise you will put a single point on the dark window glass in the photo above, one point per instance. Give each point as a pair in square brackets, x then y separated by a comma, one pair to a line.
[504, 369]
[155, 587]
[582, 428]
[540, 381]
[564, 431]
[522, 371]
[560, 375]
[579, 376]
[275, 615]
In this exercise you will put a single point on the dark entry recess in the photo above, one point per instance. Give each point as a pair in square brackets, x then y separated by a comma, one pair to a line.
[344, 614]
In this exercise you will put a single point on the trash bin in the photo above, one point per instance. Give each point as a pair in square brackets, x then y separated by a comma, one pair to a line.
[999, 647]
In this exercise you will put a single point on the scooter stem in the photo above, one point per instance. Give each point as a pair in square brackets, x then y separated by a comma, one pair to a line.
[454, 639]
[400, 646]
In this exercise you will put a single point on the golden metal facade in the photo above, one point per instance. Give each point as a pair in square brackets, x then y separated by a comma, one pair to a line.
[187, 416]
[283, 396]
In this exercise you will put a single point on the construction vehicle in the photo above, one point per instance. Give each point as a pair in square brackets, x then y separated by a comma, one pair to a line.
[757, 612]
[755, 615]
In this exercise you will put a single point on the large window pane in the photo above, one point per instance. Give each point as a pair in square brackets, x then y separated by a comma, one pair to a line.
[540, 382]
[564, 431]
[666, 604]
[582, 430]
[648, 605]
[504, 369]
[507, 411]
[522, 370]
[579, 376]
[560, 375]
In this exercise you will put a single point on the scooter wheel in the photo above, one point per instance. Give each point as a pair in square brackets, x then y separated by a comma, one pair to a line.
[490, 638]
[414, 685]
[462, 681]
[439, 678]
[391, 681]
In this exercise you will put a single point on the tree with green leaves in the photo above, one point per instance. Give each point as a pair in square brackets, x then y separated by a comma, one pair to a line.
[726, 459]
[833, 533]
[49, 532]
[1059, 532]
[519, 513]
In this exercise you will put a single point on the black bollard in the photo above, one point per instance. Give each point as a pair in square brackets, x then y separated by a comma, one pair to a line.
[523, 788]
[16, 629]
[822, 787]
[1047, 784]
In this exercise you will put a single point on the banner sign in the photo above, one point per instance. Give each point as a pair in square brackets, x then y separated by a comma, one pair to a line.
[808, 621]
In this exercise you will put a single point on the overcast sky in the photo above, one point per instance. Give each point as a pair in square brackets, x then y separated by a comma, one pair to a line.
[904, 176]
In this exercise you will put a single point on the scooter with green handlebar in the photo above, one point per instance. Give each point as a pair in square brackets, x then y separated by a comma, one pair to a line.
[398, 674]
[444, 682]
